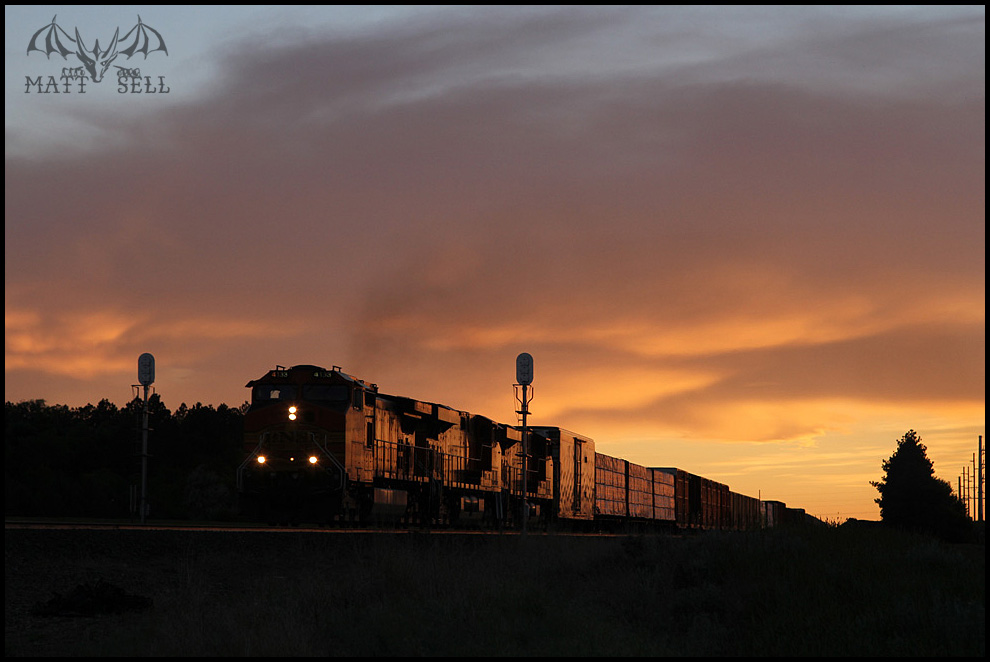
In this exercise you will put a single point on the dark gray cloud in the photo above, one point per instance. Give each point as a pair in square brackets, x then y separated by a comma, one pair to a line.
[461, 190]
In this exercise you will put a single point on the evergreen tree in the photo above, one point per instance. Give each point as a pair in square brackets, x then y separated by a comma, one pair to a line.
[911, 497]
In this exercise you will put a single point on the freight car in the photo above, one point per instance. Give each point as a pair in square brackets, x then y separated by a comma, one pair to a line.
[323, 446]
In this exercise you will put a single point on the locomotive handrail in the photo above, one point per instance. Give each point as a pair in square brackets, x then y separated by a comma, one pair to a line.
[420, 462]
[326, 451]
[247, 460]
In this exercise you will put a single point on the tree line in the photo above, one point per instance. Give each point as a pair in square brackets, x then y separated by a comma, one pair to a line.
[86, 461]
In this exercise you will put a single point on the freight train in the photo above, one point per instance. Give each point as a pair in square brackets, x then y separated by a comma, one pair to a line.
[325, 447]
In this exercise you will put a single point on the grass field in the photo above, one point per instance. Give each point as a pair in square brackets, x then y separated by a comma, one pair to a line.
[827, 591]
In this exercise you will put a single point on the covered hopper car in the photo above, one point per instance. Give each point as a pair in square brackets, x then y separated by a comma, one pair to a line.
[322, 446]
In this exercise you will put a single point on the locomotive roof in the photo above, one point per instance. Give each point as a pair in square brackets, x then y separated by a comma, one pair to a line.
[309, 369]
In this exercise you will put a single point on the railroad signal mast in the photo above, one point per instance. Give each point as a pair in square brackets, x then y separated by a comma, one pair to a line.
[524, 380]
[146, 377]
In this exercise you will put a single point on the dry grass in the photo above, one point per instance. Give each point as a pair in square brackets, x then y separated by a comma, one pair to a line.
[824, 592]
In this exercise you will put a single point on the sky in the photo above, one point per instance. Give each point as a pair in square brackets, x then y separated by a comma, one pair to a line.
[748, 242]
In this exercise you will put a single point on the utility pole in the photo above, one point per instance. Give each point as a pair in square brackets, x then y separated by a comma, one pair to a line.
[980, 462]
[965, 491]
[971, 483]
[972, 493]
[959, 491]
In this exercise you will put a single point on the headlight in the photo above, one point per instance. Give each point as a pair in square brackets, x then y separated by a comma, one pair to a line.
[312, 459]
[261, 459]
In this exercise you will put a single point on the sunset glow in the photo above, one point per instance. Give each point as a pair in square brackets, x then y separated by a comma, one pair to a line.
[748, 242]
